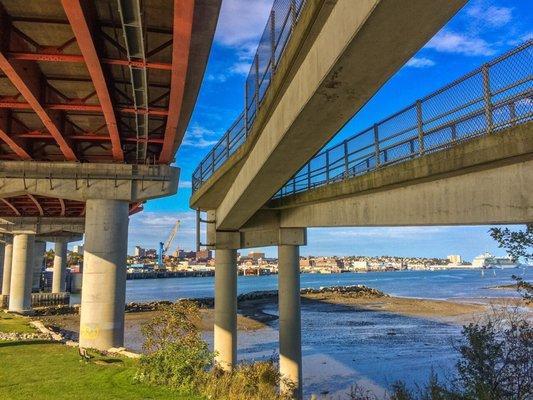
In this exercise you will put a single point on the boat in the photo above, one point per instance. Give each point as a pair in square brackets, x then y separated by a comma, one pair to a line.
[488, 261]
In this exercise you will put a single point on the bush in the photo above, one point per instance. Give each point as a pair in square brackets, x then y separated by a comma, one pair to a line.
[249, 381]
[176, 356]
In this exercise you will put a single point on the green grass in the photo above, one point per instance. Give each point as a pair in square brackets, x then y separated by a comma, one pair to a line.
[14, 323]
[45, 370]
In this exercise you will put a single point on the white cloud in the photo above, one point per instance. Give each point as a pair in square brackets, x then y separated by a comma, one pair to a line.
[198, 136]
[241, 24]
[420, 62]
[221, 78]
[185, 184]
[493, 16]
[241, 68]
[242, 21]
[447, 41]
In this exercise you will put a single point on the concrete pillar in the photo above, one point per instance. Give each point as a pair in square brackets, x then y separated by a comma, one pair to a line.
[6, 278]
[2, 249]
[225, 334]
[290, 342]
[104, 275]
[39, 250]
[21, 273]
[60, 267]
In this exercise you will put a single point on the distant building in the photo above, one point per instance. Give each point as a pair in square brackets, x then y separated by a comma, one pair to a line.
[255, 255]
[203, 255]
[455, 259]
[77, 249]
[138, 252]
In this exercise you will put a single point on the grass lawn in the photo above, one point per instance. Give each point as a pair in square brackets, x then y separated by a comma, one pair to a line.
[45, 370]
[14, 323]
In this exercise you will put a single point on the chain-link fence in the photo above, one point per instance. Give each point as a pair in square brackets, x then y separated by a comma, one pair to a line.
[496, 96]
[280, 24]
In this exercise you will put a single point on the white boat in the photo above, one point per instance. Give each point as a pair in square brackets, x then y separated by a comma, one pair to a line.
[487, 260]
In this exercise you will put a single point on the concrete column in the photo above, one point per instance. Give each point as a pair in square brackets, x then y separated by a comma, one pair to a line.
[39, 250]
[60, 267]
[2, 249]
[290, 343]
[225, 334]
[6, 278]
[103, 290]
[21, 273]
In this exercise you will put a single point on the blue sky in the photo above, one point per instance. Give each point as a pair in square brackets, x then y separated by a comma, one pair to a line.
[479, 32]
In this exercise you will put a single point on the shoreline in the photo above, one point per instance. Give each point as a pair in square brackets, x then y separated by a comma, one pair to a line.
[254, 307]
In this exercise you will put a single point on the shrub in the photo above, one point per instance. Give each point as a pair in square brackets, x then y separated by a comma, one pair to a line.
[175, 354]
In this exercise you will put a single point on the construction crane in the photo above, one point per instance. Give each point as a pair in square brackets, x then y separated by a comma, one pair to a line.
[163, 247]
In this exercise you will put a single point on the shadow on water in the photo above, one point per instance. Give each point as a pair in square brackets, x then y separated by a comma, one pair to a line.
[344, 344]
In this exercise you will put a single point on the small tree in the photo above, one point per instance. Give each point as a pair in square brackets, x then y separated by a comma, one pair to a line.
[497, 359]
[518, 244]
[176, 356]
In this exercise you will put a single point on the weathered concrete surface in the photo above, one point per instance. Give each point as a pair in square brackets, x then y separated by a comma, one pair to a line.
[225, 332]
[290, 324]
[355, 52]
[75, 181]
[103, 292]
[8, 258]
[42, 225]
[21, 274]
[60, 267]
[39, 248]
[509, 146]
[500, 195]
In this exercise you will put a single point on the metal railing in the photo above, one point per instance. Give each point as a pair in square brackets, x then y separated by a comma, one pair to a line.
[493, 97]
[278, 30]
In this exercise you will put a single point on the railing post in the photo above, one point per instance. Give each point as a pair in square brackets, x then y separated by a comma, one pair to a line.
[213, 161]
[327, 166]
[454, 133]
[246, 108]
[256, 84]
[486, 97]
[309, 175]
[376, 145]
[273, 40]
[227, 145]
[293, 13]
[420, 127]
[512, 113]
[346, 162]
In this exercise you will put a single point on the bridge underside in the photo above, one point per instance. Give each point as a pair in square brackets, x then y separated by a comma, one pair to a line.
[486, 180]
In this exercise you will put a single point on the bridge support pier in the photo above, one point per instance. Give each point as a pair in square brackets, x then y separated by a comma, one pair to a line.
[290, 343]
[38, 257]
[60, 267]
[104, 275]
[225, 331]
[21, 273]
[6, 277]
[2, 250]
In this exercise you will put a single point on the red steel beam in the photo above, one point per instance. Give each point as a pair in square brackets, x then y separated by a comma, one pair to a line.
[78, 23]
[181, 41]
[22, 105]
[28, 87]
[78, 58]
[88, 137]
[11, 141]
[7, 203]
